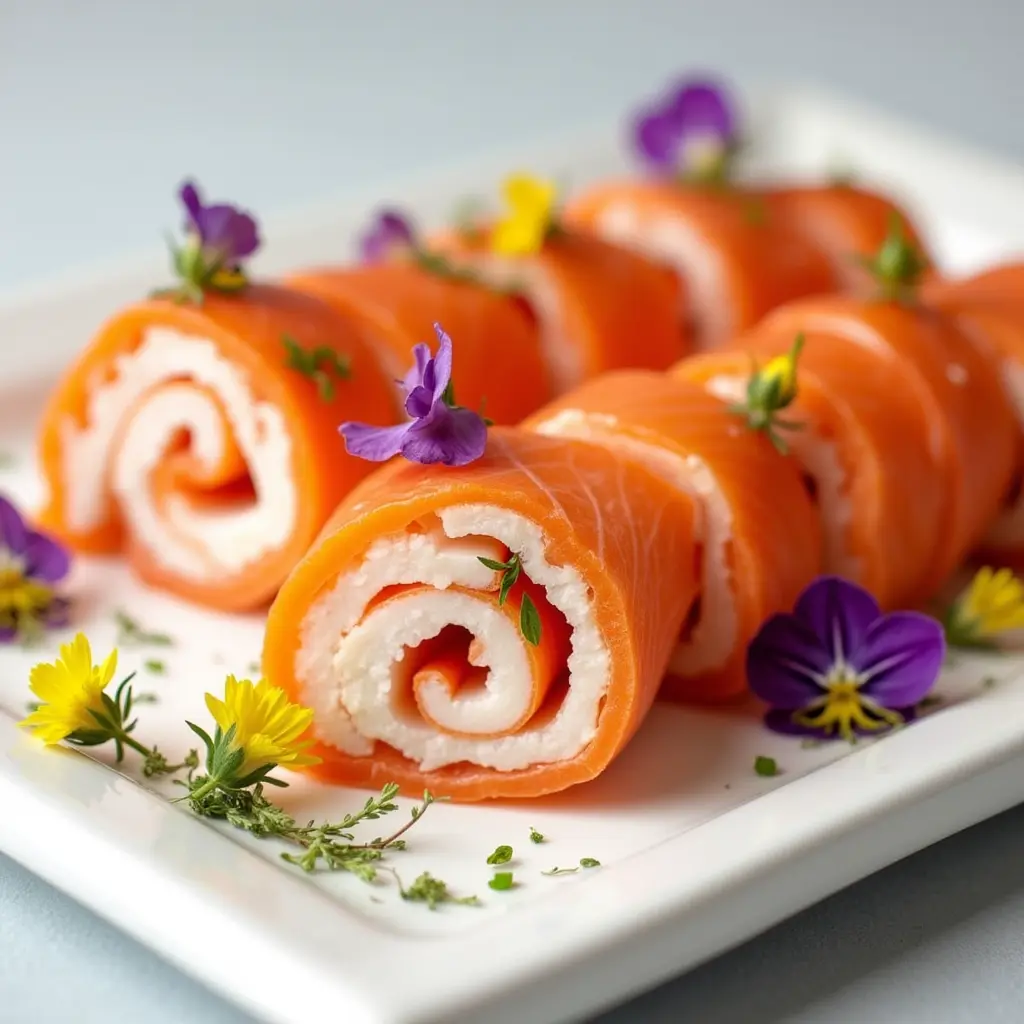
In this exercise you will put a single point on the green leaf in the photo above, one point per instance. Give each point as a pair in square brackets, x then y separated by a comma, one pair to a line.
[207, 742]
[765, 766]
[502, 855]
[589, 862]
[529, 621]
[501, 881]
[492, 564]
[155, 665]
[535, 836]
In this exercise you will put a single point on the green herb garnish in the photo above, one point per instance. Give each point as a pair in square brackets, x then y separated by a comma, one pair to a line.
[529, 619]
[561, 871]
[535, 836]
[502, 855]
[155, 665]
[131, 634]
[765, 766]
[589, 862]
[315, 364]
[432, 891]
[501, 881]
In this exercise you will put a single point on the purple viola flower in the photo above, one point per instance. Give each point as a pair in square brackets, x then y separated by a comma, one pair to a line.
[439, 431]
[389, 233]
[30, 565]
[226, 234]
[837, 667]
[691, 132]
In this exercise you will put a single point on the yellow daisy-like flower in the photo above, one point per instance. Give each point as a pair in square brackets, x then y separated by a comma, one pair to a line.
[781, 373]
[993, 603]
[69, 688]
[268, 727]
[530, 203]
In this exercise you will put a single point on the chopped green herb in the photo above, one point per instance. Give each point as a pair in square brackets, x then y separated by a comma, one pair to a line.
[529, 621]
[765, 766]
[315, 364]
[432, 891]
[502, 855]
[146, 698]
[501, 881]
[255, 668]
[561, 871]
[131, 634]
[589, 862]
[156, 666]
[535, 836]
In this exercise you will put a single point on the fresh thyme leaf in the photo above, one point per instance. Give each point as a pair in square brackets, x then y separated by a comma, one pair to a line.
[502, 855]
[322, 365]
[535, 836]
[131, 634]
[155, 665]
[492, 564]
[561, 871]
[510, 571]
[502, 881]
[529, 621]
[765, 766]
[145, 698]
[589, 862]
[432, 891]
[255, 667]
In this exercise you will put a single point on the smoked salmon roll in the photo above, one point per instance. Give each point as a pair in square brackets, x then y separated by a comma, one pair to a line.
[400, 290]
[599, 307]
[848, 223]
[736, 259]
[758, 535]
[496, 629]
[966, 422]
[199, 430]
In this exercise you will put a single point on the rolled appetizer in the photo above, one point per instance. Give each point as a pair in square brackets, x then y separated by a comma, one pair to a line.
[758, 531]
[598, 307]
[400, 289]
[497, 626]
[735, 258]
[198, 432]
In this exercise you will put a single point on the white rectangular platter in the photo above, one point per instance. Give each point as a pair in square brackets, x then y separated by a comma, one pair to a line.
[698, 853]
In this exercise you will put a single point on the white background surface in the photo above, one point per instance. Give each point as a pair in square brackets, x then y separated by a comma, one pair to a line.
[104, 105]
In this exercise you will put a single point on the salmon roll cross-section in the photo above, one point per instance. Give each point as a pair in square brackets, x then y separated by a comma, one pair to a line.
[394, 628]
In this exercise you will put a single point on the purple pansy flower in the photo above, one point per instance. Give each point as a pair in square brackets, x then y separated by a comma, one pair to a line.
[390, 232]
[837, 667]
[692, 131]
[30, 564]
[439, 431]
[226, 234]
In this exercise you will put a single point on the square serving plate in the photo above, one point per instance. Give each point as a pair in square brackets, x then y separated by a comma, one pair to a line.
[698, 853]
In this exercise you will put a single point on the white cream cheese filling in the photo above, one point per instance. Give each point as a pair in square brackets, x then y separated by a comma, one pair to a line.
[137, 410]
[349, 663]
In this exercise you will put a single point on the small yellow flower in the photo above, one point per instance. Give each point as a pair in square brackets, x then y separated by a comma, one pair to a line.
[993, 603]
[268, 727]
[69, 689]
[782, 372]
[531, 205]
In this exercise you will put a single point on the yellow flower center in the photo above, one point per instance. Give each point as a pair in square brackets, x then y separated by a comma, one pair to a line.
[704, 155]
[843, 708]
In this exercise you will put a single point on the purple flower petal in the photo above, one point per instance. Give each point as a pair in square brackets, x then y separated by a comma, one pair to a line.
[389, 231]
[783, 660]
[226, 233]
[421, 360]
[452, 437]
[58, 613]
[702, 107]
[189, 196]
[14, 535]
[839, 612]
[46, 560]
[781, 721]
[657, 139]
[442, 364]
[902, 654]
[375, 444]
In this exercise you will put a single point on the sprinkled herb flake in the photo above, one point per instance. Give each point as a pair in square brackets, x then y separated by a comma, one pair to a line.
[589, 862]
[535, 836]
[130, 633]
[766, 767]
[561, 871]
[433, 891]
[501, 881]
[502, 855]
[155, 666]
[585, 862]
[318, 364]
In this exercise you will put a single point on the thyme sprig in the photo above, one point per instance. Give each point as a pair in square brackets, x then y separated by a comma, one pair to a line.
[322, 365]
[529, 618]
[130, 633]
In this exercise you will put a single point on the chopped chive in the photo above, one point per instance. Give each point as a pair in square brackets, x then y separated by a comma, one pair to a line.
[501, 881]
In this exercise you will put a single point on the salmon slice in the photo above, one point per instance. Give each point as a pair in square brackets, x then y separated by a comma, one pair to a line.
[759, 533]
[990, 308]
[599, 307]
[847, 223]
[863, 446]
[182, 435]
[736, 259]
[605, 544]
[969, 423]
[498, 359]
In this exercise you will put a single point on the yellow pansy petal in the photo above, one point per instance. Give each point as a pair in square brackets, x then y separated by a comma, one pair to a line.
[77, 657]
[527, 194]
[48, 681]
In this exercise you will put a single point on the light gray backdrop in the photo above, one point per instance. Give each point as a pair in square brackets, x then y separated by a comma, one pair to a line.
[105, 104]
